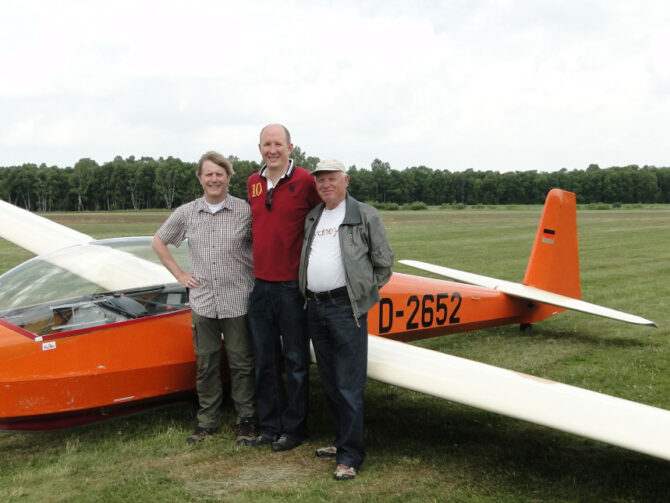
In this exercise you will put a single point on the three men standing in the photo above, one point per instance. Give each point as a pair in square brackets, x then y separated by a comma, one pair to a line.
[313, 245]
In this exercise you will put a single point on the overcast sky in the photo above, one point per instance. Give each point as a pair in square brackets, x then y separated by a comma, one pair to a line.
[502, 85]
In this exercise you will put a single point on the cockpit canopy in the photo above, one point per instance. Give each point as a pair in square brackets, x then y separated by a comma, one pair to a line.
[100, 266]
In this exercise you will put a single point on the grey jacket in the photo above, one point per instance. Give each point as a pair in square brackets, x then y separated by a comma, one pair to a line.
[366, 253]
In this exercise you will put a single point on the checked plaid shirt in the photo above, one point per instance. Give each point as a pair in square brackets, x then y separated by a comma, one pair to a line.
[220, 253]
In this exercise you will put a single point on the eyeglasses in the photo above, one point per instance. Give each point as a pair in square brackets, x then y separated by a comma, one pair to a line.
[268, 200]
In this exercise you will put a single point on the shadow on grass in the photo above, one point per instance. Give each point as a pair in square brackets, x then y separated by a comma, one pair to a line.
[537, 334]
[509, 454]
[479, 455]
[587, 337]
[24, 445]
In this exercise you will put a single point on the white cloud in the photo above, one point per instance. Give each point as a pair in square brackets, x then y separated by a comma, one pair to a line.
[499, 85]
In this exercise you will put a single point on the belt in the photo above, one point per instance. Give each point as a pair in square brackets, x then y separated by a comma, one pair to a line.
[330, 294]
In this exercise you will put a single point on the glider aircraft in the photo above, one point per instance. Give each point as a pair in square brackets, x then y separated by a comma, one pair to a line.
[94, 329]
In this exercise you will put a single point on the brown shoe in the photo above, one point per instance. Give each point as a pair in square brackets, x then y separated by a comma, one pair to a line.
[246, 432]
[200, 434]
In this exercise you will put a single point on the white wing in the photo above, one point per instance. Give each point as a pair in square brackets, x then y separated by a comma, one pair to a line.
[34, 233]
[593, 415]
[528, 292]
[112, 269]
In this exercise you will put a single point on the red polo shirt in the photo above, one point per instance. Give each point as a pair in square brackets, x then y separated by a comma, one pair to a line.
[278, 231]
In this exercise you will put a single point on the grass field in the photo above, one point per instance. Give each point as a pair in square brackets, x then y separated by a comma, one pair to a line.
[419, 448]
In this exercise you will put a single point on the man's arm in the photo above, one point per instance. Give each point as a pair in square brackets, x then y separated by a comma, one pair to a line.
[165, 256]
[381, 253]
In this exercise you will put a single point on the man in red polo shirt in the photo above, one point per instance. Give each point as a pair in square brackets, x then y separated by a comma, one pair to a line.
[280, 195]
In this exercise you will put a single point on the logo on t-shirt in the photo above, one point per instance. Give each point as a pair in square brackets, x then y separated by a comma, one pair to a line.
[256, 189]
[327, 231]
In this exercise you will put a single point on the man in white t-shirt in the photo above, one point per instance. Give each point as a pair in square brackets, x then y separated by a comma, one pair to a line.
[218, 229]
[346, 258]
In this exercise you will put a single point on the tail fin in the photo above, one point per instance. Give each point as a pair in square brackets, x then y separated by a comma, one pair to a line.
[554, 259]
[552, 276]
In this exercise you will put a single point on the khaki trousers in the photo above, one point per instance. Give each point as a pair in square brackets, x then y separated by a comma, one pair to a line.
[210, 336]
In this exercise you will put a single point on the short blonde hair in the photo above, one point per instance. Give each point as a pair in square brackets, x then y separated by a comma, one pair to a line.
[217, 159]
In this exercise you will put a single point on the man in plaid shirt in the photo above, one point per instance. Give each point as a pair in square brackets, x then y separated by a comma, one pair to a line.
[218, 229]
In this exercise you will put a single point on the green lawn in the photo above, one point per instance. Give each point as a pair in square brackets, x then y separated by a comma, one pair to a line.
[419, 448]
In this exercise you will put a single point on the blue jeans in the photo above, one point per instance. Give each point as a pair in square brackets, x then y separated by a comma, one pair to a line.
[341, 349]
[277, 322]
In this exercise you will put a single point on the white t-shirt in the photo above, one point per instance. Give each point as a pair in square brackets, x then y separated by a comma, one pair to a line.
[215, 207]
[325, 270]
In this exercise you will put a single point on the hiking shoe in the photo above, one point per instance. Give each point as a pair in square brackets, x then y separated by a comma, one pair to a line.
[200, 434]
[246, 432]
[285, 443]
[344, 472]
[326, 452]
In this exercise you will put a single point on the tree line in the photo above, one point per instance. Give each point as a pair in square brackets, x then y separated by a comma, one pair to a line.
[167, 183]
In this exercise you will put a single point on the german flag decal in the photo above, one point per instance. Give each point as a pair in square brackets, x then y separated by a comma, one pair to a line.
[548, 236]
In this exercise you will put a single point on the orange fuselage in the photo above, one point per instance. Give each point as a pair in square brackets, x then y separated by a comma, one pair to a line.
[105, 367]
[118, 365]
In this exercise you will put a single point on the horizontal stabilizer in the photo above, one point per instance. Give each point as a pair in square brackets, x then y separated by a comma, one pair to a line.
[34, 233]
[616, 421]
[528, 292]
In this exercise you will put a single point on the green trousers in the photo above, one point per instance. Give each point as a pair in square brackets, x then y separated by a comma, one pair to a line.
[210, 335]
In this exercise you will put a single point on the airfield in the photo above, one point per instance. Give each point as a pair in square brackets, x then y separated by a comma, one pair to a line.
[419, 448]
